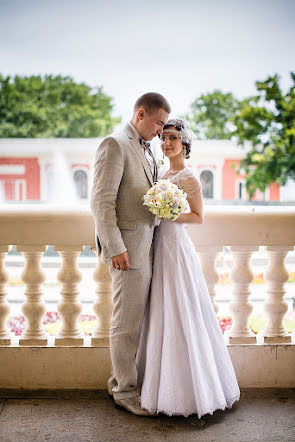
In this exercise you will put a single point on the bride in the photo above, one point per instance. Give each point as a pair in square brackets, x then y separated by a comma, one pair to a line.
[183, 360]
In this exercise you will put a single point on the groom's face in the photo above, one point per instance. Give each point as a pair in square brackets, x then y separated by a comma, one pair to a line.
[151, 124]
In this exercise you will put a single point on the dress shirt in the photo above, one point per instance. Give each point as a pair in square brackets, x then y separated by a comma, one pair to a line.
[150, 159]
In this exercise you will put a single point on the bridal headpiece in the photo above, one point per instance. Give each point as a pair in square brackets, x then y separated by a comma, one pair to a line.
[186, 134]
[182, 130]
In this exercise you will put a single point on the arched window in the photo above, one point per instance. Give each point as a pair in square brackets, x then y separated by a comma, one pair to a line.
[81, 183]
[206, 178]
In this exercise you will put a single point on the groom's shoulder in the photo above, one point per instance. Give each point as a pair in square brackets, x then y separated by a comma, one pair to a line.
[112, 146]
[118, 137]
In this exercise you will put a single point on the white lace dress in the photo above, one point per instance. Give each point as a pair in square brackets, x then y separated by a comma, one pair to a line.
[183, 360]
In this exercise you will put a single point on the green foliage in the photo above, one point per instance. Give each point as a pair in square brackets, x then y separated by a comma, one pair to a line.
[211, 115]
[53, 106]
[268, 121]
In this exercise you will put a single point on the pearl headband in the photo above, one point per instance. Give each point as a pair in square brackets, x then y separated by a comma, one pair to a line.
[186, 135]
[173, 131]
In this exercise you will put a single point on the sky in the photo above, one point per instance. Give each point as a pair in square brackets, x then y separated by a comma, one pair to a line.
[178, 48]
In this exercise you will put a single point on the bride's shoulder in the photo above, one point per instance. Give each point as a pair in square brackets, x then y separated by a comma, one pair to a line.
[190, 182]
[188, 172]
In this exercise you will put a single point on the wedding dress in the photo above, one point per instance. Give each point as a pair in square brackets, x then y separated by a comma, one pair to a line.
[183, 361]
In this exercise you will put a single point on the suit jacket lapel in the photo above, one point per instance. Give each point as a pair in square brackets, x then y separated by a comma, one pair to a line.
[140, 152]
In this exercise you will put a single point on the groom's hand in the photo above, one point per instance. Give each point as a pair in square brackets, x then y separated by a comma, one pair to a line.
[121, 262]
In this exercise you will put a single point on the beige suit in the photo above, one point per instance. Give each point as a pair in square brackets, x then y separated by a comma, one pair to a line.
[121, 177]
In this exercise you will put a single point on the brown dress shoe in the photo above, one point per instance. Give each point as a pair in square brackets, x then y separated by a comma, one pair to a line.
[133, 404]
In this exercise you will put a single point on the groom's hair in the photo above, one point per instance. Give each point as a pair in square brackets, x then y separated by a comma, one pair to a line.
[152, 101]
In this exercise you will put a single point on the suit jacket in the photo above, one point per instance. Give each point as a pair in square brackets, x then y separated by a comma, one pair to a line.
[121, 177]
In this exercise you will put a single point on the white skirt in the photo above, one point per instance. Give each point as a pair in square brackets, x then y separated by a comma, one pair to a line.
[183, 361]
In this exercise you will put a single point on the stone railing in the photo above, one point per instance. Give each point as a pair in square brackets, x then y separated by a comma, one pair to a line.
[242, 229]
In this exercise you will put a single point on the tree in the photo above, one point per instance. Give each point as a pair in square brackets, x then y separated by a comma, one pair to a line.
[53, 106]
[268, 121]
[211, 115]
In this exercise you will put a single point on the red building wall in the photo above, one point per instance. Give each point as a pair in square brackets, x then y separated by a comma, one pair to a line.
[31, 177]
[229, 177]
[274, 192]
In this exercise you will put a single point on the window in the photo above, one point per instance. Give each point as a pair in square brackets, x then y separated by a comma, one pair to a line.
[206, 178]
[81, 183]
[241, 192]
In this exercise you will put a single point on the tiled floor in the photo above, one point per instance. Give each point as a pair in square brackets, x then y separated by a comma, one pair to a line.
[261, 415]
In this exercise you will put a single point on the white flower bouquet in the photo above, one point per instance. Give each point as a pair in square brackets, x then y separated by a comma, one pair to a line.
[165, 200]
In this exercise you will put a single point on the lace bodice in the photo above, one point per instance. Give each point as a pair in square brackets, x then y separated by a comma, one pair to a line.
[187, 180]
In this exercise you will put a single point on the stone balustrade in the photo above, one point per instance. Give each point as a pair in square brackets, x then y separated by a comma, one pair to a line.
[242, 229]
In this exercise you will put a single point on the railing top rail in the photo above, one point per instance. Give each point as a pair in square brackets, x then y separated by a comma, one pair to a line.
[52, 210]
[73, 225]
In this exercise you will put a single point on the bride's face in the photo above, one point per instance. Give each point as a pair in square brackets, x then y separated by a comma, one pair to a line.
[171, 144]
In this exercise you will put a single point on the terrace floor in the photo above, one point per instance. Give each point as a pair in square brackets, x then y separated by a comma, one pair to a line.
[261, 415]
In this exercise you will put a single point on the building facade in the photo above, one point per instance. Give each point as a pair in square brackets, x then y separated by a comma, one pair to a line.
[61, 169]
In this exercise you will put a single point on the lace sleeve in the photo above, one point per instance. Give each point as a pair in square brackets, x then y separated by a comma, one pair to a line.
[188, 181]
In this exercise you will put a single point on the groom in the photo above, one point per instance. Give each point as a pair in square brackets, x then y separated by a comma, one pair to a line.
[124, 170]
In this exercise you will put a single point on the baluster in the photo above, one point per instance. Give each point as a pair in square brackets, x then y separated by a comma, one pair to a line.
[34, 307]
[240, 308]
[5, 335]
[103, 305]
[275, 307]
[208, 256]
[69, 307]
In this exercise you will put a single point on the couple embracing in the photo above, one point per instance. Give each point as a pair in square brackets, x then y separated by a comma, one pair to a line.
[167, 350]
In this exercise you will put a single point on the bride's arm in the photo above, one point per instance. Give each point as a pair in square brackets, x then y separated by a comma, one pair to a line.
[188, 181]
[196, 214]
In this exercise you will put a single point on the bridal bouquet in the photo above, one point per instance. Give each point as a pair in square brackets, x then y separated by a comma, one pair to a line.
[165, 200]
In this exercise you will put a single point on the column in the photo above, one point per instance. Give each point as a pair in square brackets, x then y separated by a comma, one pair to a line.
[275, 307]
[208, 256]
[5, 335]
[240, 308]
[69, 307]
[34, 307]
[103, 305]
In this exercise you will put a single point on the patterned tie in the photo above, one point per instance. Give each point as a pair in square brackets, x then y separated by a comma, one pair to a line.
[147, 147]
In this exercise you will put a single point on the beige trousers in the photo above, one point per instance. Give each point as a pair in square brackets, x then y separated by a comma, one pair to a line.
[130, 294]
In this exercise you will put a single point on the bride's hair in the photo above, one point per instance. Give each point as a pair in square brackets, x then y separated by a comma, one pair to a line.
[184, 134]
